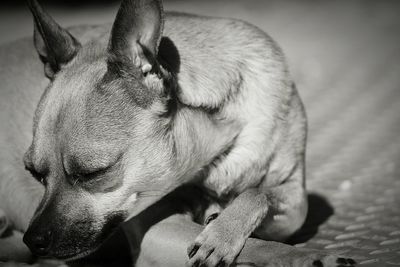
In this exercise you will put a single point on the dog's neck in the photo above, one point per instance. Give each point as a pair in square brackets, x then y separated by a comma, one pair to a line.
[198, 136]
[199, 139]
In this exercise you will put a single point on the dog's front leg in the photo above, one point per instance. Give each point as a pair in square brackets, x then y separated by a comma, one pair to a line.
[223, 239]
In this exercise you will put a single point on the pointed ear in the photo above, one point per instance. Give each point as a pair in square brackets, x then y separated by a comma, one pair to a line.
[137, 31]
[55, 45]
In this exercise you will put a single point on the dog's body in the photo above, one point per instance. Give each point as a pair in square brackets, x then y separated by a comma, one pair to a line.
[125, 121]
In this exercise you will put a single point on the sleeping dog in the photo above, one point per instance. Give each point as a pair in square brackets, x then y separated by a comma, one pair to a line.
[159, 100]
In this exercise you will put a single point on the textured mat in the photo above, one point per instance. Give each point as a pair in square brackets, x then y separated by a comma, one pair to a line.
[353, 160]
[345, 58]
[354, 151]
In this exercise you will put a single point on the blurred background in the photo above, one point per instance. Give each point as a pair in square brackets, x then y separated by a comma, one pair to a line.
[345, 58]
[316, 35]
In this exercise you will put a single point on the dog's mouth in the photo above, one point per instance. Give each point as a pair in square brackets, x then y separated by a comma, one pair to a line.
[78, 255]
[109, 227]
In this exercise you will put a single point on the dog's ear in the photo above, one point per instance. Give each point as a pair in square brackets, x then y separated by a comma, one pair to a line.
[137, 31]
[55, 45]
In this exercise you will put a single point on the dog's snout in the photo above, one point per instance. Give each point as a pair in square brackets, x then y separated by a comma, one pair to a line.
[38, 243]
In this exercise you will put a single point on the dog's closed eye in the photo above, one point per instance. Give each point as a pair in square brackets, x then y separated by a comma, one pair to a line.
[81, 169]
[88, 176]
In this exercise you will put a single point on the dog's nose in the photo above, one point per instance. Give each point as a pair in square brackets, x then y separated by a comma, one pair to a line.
[39, 244]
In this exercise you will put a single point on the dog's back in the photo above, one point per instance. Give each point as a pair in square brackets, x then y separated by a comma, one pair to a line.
[215, 55]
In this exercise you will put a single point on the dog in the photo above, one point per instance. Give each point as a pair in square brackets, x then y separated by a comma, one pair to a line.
[132, 112]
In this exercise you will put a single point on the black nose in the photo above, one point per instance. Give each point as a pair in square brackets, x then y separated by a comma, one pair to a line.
[38, 243]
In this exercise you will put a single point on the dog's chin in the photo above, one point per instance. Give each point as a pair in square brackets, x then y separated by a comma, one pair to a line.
[80, 244]
[108, 229]
[77, 255]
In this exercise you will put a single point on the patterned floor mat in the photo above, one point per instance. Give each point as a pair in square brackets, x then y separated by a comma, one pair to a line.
[354, 155]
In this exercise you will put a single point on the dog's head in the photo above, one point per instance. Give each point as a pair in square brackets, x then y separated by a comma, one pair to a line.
[100, 142]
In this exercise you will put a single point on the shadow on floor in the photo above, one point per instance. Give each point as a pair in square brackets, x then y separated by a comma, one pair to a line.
[117, 247]
[319, 210]
[114, 252]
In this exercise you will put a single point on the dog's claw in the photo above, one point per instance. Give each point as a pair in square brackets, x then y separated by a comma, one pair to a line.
[331, 261]
[351, 261]
[341, 261]
[192, 250]
[211, 218]
[346, 262]
[318, 263]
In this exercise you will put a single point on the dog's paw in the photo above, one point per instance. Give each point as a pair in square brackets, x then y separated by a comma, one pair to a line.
[331, 261]
[306, 258]
[217, 245]
[210, 218]
[318, 260]
[274, 254]
[302, 258]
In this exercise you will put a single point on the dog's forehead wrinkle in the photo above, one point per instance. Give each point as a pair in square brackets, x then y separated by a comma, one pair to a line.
[91, 52]
[111, 112]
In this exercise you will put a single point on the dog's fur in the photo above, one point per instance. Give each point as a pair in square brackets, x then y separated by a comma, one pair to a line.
[167, 100]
